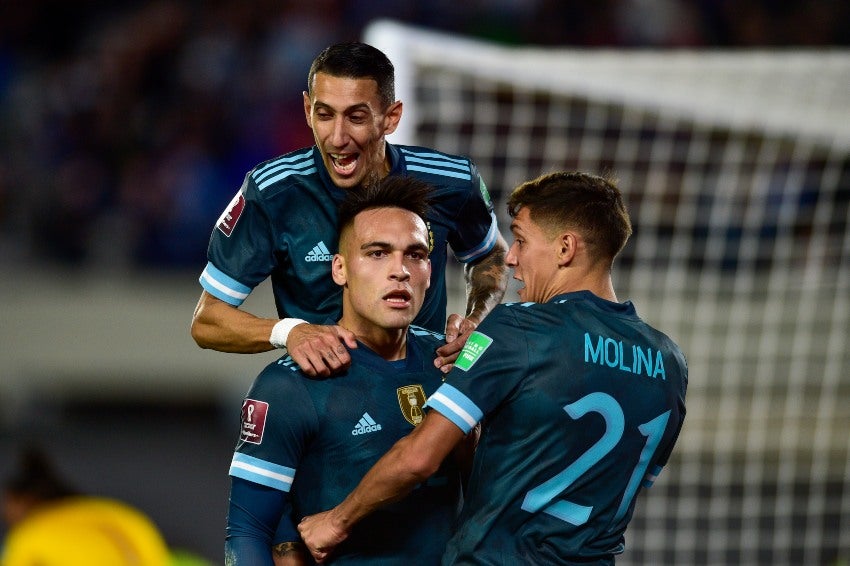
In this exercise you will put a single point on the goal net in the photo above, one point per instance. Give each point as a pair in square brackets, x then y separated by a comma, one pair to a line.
[735, 166]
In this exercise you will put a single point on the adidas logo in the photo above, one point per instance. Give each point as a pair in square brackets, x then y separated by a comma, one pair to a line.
[319, 252]
[365, 425]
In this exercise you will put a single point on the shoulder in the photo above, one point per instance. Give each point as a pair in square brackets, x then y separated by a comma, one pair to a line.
[282, 376]
[426, 338]
[511, 313]
[436, 166]
[279, 173]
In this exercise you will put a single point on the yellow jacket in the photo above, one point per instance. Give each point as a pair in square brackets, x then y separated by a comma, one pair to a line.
[85, 531]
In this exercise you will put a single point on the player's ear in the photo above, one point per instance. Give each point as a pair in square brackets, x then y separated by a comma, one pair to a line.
[308, 107]
[392, 117]
[338, 270]
[567, 245]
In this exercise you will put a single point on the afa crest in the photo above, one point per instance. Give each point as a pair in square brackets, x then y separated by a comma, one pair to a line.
[411, 398]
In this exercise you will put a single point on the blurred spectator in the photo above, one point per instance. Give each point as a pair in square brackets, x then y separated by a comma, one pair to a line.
[50, 524]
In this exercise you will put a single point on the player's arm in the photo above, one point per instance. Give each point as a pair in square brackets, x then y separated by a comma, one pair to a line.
[411, 461]
[319, 350]
[486, 281]
[253, 515]
[219, 326]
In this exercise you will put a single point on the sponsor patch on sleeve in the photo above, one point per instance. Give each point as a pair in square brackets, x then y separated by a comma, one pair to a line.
[472, 350]
[227, 221]
[253, 420]
[485, 194]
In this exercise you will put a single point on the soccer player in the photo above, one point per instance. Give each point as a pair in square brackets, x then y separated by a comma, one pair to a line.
[580, 401]
[282, 223]
[306, 442]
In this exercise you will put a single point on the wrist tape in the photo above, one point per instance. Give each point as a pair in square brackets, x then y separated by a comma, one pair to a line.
[281, 330]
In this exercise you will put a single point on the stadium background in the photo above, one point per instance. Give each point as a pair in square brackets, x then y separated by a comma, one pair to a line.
[124, 130]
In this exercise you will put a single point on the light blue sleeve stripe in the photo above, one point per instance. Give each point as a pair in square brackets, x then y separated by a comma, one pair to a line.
[257, 174]
[448, 164]
[222, 286]
[261, 472]
[484, 247]
[284, 175]
[435, 156]
[440, 172]
[456, 407]
[261, 179]
[651, 476]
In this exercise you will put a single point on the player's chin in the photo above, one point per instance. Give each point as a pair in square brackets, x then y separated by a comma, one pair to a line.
[399, 318]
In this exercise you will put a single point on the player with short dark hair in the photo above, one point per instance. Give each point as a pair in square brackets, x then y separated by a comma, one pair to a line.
[580, 400]
[305, 442]
[283, 224]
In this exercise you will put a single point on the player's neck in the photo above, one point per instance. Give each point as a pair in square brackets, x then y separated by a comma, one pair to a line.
[388, 343]
[597, 282]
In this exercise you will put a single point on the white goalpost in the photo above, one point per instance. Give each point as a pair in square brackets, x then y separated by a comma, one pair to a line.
[736, 169]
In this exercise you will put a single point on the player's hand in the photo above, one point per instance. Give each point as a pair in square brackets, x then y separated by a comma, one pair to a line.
[320, 350]
[320, 535]
[458, 330]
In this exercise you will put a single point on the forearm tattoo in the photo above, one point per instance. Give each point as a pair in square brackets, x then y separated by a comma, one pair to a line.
[486, 282]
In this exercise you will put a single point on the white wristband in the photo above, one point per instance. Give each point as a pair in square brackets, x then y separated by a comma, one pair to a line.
[281, 330]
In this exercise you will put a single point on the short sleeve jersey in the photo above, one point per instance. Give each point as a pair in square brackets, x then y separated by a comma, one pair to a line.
[283, 223]
[316, 439]
[580, 403]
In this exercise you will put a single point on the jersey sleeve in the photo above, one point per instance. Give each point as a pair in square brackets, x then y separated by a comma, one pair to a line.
[254, 513]
[277, 421]
[476, 229]
[240, 253]
[487, 370]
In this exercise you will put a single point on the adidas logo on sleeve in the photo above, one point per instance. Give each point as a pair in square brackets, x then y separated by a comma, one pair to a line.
[320, 252]
[365, 425]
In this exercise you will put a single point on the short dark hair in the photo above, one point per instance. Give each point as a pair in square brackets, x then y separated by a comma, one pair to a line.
[394, 191]
[37, 477]
[590, 204]
[356, 60]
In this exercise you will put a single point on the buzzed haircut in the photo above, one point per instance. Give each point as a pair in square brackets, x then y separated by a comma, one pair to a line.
[356, 60]
[394, 191]
[589, 204]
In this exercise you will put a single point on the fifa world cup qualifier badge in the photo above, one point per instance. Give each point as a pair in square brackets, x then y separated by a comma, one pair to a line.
[253, 420]
[472, 350]
[411, 398]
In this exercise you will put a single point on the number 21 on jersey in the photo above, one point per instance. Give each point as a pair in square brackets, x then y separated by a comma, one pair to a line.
[543, 496]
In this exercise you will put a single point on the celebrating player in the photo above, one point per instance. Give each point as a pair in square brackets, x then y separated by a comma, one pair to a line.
[581, 400]
[282, 223]
[306, 442]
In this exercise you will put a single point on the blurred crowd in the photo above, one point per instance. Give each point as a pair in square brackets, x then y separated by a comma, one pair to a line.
[126, 127]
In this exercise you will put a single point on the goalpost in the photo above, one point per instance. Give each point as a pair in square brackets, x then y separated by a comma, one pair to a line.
[735, 166]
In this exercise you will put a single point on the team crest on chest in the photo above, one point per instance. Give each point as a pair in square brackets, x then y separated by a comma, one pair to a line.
[411, 398]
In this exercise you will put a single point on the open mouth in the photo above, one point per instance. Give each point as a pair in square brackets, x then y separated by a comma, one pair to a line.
[399, 298]
[344, 163]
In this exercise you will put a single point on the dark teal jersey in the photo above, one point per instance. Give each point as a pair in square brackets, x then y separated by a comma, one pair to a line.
[283, 223]
[314, 439]
[580, 403]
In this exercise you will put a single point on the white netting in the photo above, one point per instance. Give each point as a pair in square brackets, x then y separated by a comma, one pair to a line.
[736, 170]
